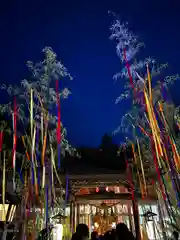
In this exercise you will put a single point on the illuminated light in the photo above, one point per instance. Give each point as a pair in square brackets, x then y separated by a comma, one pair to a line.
[113, 225]
[67, 211]
[117, 189]
[58, 232]
[151, 232]
[3, 211]
[107, 189]
[122, 209]
[97, 189]
[96, 225]
[11, 214]
[93, 209]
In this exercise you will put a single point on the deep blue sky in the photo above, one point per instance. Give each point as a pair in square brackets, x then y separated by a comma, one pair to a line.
[78, 32]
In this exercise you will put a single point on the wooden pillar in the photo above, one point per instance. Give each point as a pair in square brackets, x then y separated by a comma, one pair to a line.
[72, 216]
[78, 213]
[136, 219]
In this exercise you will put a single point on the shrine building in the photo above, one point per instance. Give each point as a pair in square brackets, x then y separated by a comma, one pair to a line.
[102, 198]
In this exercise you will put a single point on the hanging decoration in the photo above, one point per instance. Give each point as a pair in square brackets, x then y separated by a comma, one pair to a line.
[32, 111]
[156, 146]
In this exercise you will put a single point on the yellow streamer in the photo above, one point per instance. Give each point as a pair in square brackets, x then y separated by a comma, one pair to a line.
[141, 186]
[43, 155]
[52, 158]
[44, 146]
[33, 162]
[156, 138]
[42, 118]
[174, 148]
[27, 155]
[142, 168]
[31, 112]
[175, 154]
[52, 170]
[42, 128]
[152, 119]
[149, 83]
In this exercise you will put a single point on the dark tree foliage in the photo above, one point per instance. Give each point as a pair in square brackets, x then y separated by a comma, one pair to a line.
[100, 159]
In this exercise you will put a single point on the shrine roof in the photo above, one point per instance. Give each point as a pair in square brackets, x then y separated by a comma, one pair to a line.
[92, 170]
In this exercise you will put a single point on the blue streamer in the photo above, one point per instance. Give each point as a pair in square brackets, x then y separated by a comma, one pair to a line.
[39, 176]
[20, 175]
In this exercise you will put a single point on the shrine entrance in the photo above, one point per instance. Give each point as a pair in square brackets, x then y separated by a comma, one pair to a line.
[104, 220]
[100, 201]
[102, 216]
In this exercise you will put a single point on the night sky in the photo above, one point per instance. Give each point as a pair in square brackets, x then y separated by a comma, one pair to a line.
[78, 31]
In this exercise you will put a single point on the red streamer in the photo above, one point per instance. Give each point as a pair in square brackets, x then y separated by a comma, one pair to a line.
[58, 130]
[128, 69]
[15, 132]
